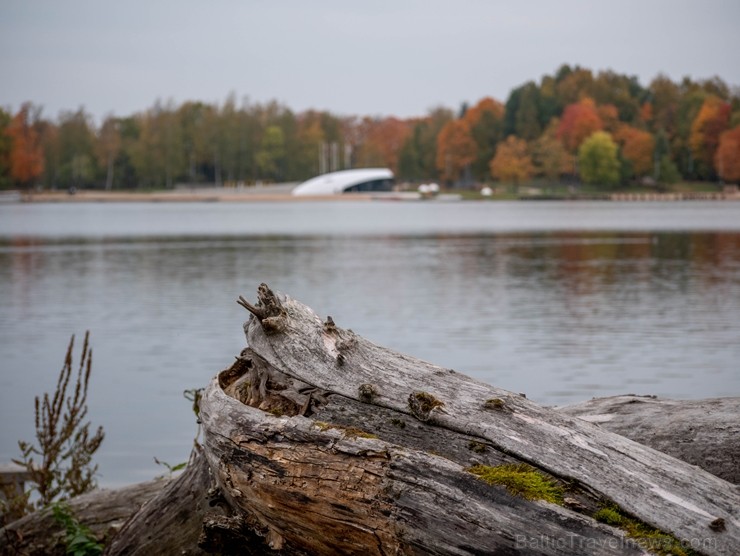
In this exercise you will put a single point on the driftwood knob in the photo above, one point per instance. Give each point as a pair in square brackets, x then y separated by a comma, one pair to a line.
[268, 310]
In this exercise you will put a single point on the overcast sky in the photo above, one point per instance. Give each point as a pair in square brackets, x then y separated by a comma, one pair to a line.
[377, 57]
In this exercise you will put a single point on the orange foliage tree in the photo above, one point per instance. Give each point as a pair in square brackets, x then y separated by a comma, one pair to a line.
[485, 105]
[646, 112]
[512, 162]
[26, 154]
[456, 149]
[579, 121]
[637, 147]
[383, 139]
[609, 116]
[712, 119]
[486, 123]
[727, 157]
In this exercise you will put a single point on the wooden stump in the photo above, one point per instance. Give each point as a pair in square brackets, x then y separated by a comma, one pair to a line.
[332, 443]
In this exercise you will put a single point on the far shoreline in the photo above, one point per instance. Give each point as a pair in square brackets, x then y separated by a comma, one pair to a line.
[283, 194]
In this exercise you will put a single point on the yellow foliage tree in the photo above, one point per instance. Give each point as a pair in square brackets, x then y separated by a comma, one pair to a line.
[512, 162]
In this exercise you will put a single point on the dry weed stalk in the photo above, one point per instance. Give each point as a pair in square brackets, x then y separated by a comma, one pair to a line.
[65, 447]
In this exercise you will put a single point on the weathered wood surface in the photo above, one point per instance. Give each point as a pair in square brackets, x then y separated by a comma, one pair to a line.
[103, 511]
[170, 522]
[316, 441]
[325, 490]
[701, 432]
[189, 517]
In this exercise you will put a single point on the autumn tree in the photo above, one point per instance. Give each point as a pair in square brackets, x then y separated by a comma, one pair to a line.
[548, 100]
[667, 171]
[213, 156]
[456, 150]
[368, 150]
[665, 97]
[522, 117]
[272, 152]
[125, 170]
[637, 148]
[598, 161]
[572, 84]
[646, 113]
[486, 122]
[77, 160]
[26, 156]
[309, 140]
[383, 141]
[107, 147]
[580, 120]
[550, 158]
[710, 122]
[609, 117]
[229, 138]
[418, 156]
[5, 147]
[512, 162]
[727, 157]
[621, 91]
[158, 155]
[409, 163]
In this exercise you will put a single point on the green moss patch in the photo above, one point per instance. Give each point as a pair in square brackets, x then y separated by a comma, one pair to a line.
[647, 537]
[610, 516]
[521, 480]
[496, 404]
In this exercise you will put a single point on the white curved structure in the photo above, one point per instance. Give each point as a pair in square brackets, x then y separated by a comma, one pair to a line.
[347, 181]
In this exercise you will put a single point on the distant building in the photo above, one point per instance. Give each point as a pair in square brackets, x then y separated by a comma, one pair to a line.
[347, 181]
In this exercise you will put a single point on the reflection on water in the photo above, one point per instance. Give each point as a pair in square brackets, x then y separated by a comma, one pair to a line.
[560, 315]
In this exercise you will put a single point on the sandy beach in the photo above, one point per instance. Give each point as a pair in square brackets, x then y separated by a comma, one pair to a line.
[268, 193]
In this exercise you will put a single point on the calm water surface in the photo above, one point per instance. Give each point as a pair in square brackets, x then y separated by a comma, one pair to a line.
[562, 301]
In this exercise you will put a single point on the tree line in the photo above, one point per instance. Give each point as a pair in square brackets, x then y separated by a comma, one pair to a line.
[603, 128]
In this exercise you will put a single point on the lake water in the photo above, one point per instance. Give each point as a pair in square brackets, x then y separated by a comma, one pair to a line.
[562, 301]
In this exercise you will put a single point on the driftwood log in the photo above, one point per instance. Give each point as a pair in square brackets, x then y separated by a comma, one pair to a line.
[705, 433]
[103, 511]
[317, 441]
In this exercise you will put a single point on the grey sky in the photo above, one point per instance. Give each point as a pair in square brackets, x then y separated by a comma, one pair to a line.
[398, 57]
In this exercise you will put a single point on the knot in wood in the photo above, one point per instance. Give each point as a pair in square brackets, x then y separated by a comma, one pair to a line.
[422, 404]
[329, 325]
[367, 392]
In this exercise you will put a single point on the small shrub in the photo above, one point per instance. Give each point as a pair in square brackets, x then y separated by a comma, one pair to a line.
[79, 539]
[64, 444]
